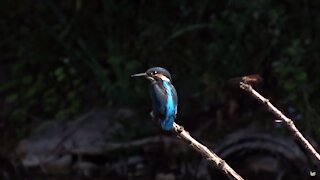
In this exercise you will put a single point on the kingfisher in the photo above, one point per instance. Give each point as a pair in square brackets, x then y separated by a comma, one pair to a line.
[163, 96]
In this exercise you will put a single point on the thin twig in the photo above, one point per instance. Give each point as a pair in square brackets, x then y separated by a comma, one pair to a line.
[288, 122]
[205, 152]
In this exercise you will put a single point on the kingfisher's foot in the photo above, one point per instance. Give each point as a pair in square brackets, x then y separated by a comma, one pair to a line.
[180, 129]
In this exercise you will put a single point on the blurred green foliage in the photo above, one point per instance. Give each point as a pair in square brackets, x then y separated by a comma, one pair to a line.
[69, 56]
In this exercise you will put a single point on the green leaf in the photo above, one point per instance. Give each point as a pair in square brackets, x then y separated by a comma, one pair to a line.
[12, 98]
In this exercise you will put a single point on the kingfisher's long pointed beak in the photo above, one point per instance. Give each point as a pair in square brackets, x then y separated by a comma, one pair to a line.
[139, 75]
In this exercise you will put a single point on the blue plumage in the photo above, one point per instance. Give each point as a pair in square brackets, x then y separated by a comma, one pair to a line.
[163, 96]
[167, 122]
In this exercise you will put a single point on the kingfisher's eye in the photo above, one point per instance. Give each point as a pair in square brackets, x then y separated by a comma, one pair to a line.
[154, 73]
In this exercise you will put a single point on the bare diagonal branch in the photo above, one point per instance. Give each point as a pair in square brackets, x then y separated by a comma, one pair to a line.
[205, 152]
[288, 122]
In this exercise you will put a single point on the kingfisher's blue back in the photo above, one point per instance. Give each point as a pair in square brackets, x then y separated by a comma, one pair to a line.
[164, 102]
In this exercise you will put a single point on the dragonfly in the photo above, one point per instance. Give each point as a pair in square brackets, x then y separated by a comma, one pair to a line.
[249, 79]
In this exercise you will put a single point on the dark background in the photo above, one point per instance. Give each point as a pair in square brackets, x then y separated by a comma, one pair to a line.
[61, 59]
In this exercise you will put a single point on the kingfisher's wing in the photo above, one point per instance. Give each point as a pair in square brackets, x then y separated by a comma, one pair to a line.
[159, 99]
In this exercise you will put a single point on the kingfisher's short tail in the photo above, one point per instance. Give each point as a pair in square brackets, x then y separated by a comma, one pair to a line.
[167, 124]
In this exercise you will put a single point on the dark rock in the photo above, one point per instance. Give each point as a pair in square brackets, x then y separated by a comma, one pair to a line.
[52, 144]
